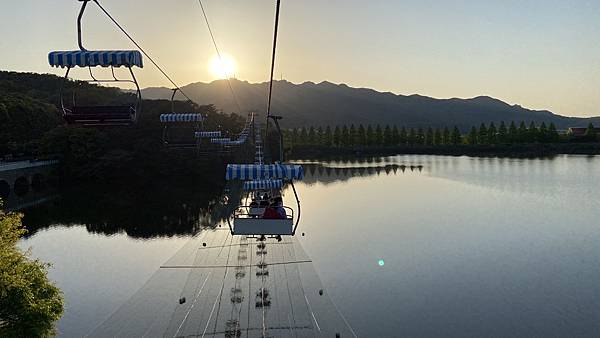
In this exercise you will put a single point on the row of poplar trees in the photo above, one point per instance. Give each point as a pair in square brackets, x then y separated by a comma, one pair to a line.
[345, 136]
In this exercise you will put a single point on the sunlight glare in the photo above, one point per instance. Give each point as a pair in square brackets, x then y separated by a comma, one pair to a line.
[223, 68]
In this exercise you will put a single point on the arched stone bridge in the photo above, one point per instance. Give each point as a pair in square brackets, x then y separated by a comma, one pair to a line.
[26, 183]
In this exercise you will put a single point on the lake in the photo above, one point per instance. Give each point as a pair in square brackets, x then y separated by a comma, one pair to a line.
[408, 246]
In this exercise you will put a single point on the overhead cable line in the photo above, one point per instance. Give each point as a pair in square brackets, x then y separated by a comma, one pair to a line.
[142, 50]
[271, 78]
[214, 41]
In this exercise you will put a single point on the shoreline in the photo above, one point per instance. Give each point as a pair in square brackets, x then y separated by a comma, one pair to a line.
[533, 150]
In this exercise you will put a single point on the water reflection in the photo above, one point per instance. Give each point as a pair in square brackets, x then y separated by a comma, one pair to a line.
[171, 209]
[327, 173]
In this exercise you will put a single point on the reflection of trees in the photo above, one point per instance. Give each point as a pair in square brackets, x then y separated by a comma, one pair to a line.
[329, 174]
[170, 207]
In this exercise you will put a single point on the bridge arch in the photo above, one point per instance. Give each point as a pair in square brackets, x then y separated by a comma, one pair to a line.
[4, 189]
[38, 182]
[21, 186]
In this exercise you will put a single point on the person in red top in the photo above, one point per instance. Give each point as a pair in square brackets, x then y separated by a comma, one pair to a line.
[271, 212]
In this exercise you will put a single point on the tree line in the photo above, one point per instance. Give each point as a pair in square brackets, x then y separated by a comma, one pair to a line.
[351, 136]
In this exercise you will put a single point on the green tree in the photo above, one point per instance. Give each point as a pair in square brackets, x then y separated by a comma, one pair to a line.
[543, 133]
[303, 136]
[420, 139]
[337, 136]
[456, 137]
[352, 136]
[370, 136]
[482, 138]
[502, 133]
[492, 134]
[446, 136]
[552, 133]
[472, 137]
[429, 136]
[327, 137]
[29, 303]
[590, 133]
[522, 134]
[412, 137]
[532, 132]
[320, 136]
[387, 135]
[513, 133]
[361, 135]
[345, 136]
[403, 139]
[294, 137]
[437, 136]
[395, 135]
[378, 135]
[312, 136]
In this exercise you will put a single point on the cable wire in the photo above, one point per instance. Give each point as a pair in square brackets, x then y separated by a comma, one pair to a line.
[214, 41]
[142, 50]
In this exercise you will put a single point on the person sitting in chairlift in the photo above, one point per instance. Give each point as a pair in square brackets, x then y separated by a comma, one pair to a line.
[275, 210]
[278, 201]
[270, 212]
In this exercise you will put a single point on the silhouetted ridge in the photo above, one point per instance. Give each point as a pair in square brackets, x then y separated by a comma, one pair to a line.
[327, 103]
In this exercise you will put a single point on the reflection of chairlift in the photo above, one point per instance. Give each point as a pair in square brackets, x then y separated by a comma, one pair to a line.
[262, 293]
[262, 273]
[233, 332]
[237, 299]
[98, 115]
[261, 265]
[263, 303]
[183, 125]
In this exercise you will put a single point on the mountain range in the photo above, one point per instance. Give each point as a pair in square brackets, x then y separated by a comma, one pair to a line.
[326, 103]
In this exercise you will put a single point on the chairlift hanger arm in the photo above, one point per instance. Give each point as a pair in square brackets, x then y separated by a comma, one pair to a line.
[81, 11]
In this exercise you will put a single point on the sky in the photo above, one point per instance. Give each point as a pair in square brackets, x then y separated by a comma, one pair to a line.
[538, 54]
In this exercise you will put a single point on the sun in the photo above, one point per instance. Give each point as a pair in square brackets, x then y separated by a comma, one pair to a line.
[222, 68]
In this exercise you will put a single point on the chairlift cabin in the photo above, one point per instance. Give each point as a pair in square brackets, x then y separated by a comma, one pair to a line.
[180, 129]
[98, 115]
[248, 219]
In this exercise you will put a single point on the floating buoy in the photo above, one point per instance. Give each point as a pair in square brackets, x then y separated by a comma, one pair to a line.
[302, 234]
[321, 292]
[181, 300]
[337, 335]
[203, 244]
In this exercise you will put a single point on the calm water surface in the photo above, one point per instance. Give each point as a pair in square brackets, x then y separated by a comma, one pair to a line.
[462, 247]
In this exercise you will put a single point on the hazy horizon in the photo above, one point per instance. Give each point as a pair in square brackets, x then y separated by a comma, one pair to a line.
[540, 55]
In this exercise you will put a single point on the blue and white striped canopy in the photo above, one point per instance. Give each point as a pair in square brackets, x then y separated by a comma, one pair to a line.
[263, 171]
[104, 58]
[207, 134]
[220, 140]
[263, 184]
[180, 117]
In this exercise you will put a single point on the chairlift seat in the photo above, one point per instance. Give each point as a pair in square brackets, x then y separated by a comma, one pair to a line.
[121, 113]
[244, 223]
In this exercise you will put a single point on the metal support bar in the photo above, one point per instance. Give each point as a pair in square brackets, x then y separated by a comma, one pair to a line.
[297, 201]
[79, 40]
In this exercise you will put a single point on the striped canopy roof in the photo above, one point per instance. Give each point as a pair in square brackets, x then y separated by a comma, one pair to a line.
[263, 184]
[264, 171]
[207, 134]
[104, 58]
[183, 117]
[220, 140]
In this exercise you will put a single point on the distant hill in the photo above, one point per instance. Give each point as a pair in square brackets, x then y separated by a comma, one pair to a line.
[327, 103]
